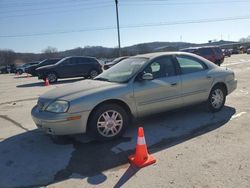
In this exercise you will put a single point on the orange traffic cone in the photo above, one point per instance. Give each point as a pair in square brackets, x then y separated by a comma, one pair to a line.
[141, 157]
[46, 82]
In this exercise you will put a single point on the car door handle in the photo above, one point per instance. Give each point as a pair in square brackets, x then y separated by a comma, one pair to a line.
[174, 84]
[209, 77]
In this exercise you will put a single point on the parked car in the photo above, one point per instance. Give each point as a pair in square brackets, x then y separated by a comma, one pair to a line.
[21, 69]
[7, 69]
[248, 51]
[32, 68]
[135, 87]
[212, 53]
[226, 53]
[70, 67]
[235, 51]
[115, 61]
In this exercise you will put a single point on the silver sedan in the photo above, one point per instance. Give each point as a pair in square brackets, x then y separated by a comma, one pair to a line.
[138, 86]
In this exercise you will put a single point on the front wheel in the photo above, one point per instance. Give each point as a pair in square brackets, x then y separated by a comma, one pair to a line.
[52, 77]
[108, 121]
[216, 99]
[19, 72]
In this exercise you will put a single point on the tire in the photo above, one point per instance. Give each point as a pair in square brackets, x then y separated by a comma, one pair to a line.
[216, 99]
[52, 77]
[19, 72]
[108, 129]
[93, 73]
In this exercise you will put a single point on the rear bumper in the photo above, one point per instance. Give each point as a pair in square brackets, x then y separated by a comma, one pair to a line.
[59, 124]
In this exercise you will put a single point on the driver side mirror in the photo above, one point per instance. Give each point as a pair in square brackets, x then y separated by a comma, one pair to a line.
[147, 76]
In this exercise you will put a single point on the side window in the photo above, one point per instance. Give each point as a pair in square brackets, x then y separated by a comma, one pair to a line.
[72, 61]
[65, 62]
[190, 64]
[204, 51]
[81, 61]
[161, 67]
[69, 62]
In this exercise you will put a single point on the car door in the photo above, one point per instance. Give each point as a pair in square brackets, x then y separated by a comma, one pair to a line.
[195, 81]
[83, 66]
[67, 68]
[161, 93]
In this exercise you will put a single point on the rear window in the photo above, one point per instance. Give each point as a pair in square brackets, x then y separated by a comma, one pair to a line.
[218, 50]
[204, 51]
[189, 50]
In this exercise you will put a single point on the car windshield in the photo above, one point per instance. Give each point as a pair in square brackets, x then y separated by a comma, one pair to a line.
[117, 59]
[61, 60]
[41, 63]
[122, 71]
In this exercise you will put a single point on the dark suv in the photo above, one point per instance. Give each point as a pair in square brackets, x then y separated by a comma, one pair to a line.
[69, 67]
[212, 53]
[32, 69]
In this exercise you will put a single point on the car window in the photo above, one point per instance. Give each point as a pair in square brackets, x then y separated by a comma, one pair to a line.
[218, 50]
[67, 62]
[161, 67]
[156, 68]
[82, 60]
[124, 70]
[190, 64]
[204, 51]
[169, 66]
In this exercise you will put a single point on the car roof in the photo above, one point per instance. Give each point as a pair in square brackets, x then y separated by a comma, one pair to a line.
[80, 57]
[199, 47]
[151, 56]
[158, 54]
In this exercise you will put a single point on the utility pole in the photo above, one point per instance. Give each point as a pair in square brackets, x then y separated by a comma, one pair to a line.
[118, 27]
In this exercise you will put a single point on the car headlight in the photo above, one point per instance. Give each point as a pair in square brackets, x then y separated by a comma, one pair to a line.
[58, 106]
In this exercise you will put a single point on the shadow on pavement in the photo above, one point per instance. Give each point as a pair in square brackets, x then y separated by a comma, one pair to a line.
[33, 159]
[41, 83]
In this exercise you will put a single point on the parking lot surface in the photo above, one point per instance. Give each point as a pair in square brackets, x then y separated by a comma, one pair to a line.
[192, 147]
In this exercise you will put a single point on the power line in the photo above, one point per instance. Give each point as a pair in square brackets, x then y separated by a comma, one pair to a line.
[181, 22]
[56, 12]
[44, 3]
[56, 7]
[168, 3]
[106, 4]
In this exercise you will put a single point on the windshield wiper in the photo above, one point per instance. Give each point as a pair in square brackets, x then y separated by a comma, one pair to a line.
[102, 79]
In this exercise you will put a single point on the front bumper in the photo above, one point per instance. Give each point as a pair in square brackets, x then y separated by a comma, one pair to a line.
[59, 124]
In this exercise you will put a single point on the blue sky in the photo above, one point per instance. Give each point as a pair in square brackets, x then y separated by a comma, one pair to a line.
[67, 24]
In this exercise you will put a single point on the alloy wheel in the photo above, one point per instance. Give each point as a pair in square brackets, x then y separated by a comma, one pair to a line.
[110, 123]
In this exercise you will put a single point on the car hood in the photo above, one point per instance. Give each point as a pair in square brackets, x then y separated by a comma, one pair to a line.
[78, 89]
[33, 66]
[45, 67]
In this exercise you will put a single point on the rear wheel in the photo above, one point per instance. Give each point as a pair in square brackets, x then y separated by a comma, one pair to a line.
[52, 77]
[216, 98]
[108, 121]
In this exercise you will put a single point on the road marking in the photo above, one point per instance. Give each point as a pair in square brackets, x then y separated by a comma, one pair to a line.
[244, 91]
[228, 64]
[14, 122]
[237, 115]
